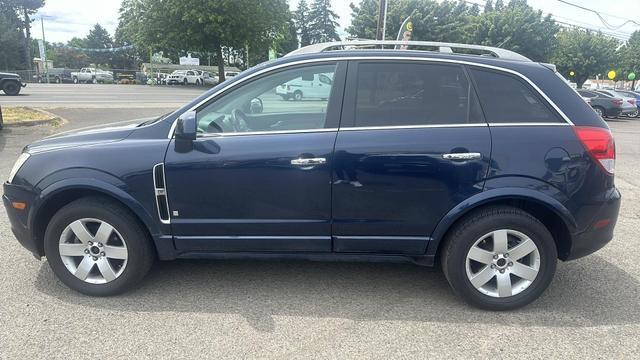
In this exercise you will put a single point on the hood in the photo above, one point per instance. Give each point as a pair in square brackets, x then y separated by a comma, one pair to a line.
[6, 75]
[86, 136]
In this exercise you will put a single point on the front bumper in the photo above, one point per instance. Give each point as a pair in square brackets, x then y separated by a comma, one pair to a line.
[19, 219]
[628, 110]
[600, 232]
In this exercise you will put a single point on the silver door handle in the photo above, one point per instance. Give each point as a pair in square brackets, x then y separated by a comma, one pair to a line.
[462, 156]
[308, 162]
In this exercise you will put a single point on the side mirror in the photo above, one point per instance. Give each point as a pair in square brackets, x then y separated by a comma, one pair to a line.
[187, 126]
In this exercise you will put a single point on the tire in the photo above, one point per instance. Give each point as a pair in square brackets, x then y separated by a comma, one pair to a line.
[11, 88]
[517, 227]
[75, 80]
[297, 95]
[138, 254]
[633, 114]
[184, 82]
[94, 80]
[600, 111]
[57, 80]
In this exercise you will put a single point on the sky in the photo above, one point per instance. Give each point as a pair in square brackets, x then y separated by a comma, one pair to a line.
[65, 19]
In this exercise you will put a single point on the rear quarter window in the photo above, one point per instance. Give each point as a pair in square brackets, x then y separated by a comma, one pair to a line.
[507, 99]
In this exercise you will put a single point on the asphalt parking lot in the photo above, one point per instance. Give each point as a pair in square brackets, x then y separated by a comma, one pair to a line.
[234, 309]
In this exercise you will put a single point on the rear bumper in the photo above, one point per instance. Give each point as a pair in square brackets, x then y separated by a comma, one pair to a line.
[19, 219]
[613, 111]
[628, 110]
[600, 232]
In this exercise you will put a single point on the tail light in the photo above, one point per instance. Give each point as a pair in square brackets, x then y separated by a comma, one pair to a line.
[617, 102]
[632, 101]
[600, 145]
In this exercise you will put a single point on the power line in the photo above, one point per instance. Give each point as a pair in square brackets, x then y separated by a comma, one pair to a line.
[602, 19]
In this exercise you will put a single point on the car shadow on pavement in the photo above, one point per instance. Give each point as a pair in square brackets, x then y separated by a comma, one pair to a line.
[587, 292]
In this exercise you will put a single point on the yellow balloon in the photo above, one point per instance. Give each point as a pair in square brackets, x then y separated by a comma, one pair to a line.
[611, 74]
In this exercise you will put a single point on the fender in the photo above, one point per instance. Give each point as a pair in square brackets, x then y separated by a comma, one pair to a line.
[112, 188]
[489, 196]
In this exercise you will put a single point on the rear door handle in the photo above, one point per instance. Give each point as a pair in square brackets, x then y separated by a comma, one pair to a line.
[462, 156]
[308, 162]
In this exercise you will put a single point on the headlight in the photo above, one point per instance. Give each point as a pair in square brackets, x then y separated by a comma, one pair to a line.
[21, 160]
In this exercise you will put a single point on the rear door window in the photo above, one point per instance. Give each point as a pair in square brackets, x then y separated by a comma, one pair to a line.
[508, 99]
[406, 94]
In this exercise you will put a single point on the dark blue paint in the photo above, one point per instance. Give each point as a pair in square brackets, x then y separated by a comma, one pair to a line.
[382, 195]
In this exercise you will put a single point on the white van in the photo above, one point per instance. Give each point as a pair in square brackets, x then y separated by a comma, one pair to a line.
[318, 87]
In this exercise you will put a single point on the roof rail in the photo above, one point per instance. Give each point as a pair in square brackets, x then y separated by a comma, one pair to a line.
[440, 46]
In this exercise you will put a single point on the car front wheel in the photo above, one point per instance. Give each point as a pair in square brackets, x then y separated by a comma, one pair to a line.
[11, 88]
[499, 258]
[97, 247]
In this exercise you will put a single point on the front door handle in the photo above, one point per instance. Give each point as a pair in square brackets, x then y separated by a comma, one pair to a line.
[462, 156]
[308, 161]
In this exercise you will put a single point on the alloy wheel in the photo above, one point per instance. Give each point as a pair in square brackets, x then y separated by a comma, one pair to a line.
[502, 263]
[93, 251]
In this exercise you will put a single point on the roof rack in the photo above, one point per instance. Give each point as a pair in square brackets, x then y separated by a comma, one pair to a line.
[440, 46]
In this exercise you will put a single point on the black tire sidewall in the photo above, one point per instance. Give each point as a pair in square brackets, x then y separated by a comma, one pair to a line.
[11, 88]
[135, 238]
[455, 263]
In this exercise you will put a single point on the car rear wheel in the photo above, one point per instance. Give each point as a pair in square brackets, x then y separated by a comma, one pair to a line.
[633, 114]
[11, 88]
[97, 247]
[297, 95]
[75, 80]
[599, 110]
[499, 258]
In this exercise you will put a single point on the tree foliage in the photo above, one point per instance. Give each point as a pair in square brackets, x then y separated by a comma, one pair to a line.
[302, 21]
[584, 52]
[203, 25]
[323, 22]
[15, 34]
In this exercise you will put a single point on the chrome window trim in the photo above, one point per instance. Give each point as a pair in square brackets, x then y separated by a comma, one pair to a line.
[395, 58]
[278, 132]
[399, 127]
[529, 124]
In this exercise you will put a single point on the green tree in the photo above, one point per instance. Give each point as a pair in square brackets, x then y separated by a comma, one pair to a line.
[364, 19]
[629, 55]
[518, 27]
[584, 52]
[432, 21]
[301, 17]
[323, 22]
[203, 25]
[15, 23]
[99, 38]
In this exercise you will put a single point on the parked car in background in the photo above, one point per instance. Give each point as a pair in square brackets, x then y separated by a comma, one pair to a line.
[227, 75]
[317, 86]
[629, 107]
[11, 83]
[91, 75]
[184, 77]
[605, 105]
[207, 78]
[631, 94]
[56, 76]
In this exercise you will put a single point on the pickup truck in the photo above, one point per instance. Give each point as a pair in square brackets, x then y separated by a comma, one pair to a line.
[11, 83]
[91, 75]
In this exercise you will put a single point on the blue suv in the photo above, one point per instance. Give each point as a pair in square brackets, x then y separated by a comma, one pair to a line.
[473, 158]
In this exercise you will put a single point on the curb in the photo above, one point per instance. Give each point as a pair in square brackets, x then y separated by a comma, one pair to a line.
[55, 119]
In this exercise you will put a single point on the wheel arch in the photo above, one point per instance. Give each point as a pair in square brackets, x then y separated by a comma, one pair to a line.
[59, 194]
[555, 216]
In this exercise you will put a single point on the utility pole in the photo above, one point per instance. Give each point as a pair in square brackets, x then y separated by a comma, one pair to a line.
[44, 52]
[382, 14]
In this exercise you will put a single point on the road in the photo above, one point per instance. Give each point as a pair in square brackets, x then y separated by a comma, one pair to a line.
[284, 309]
[102, 96]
